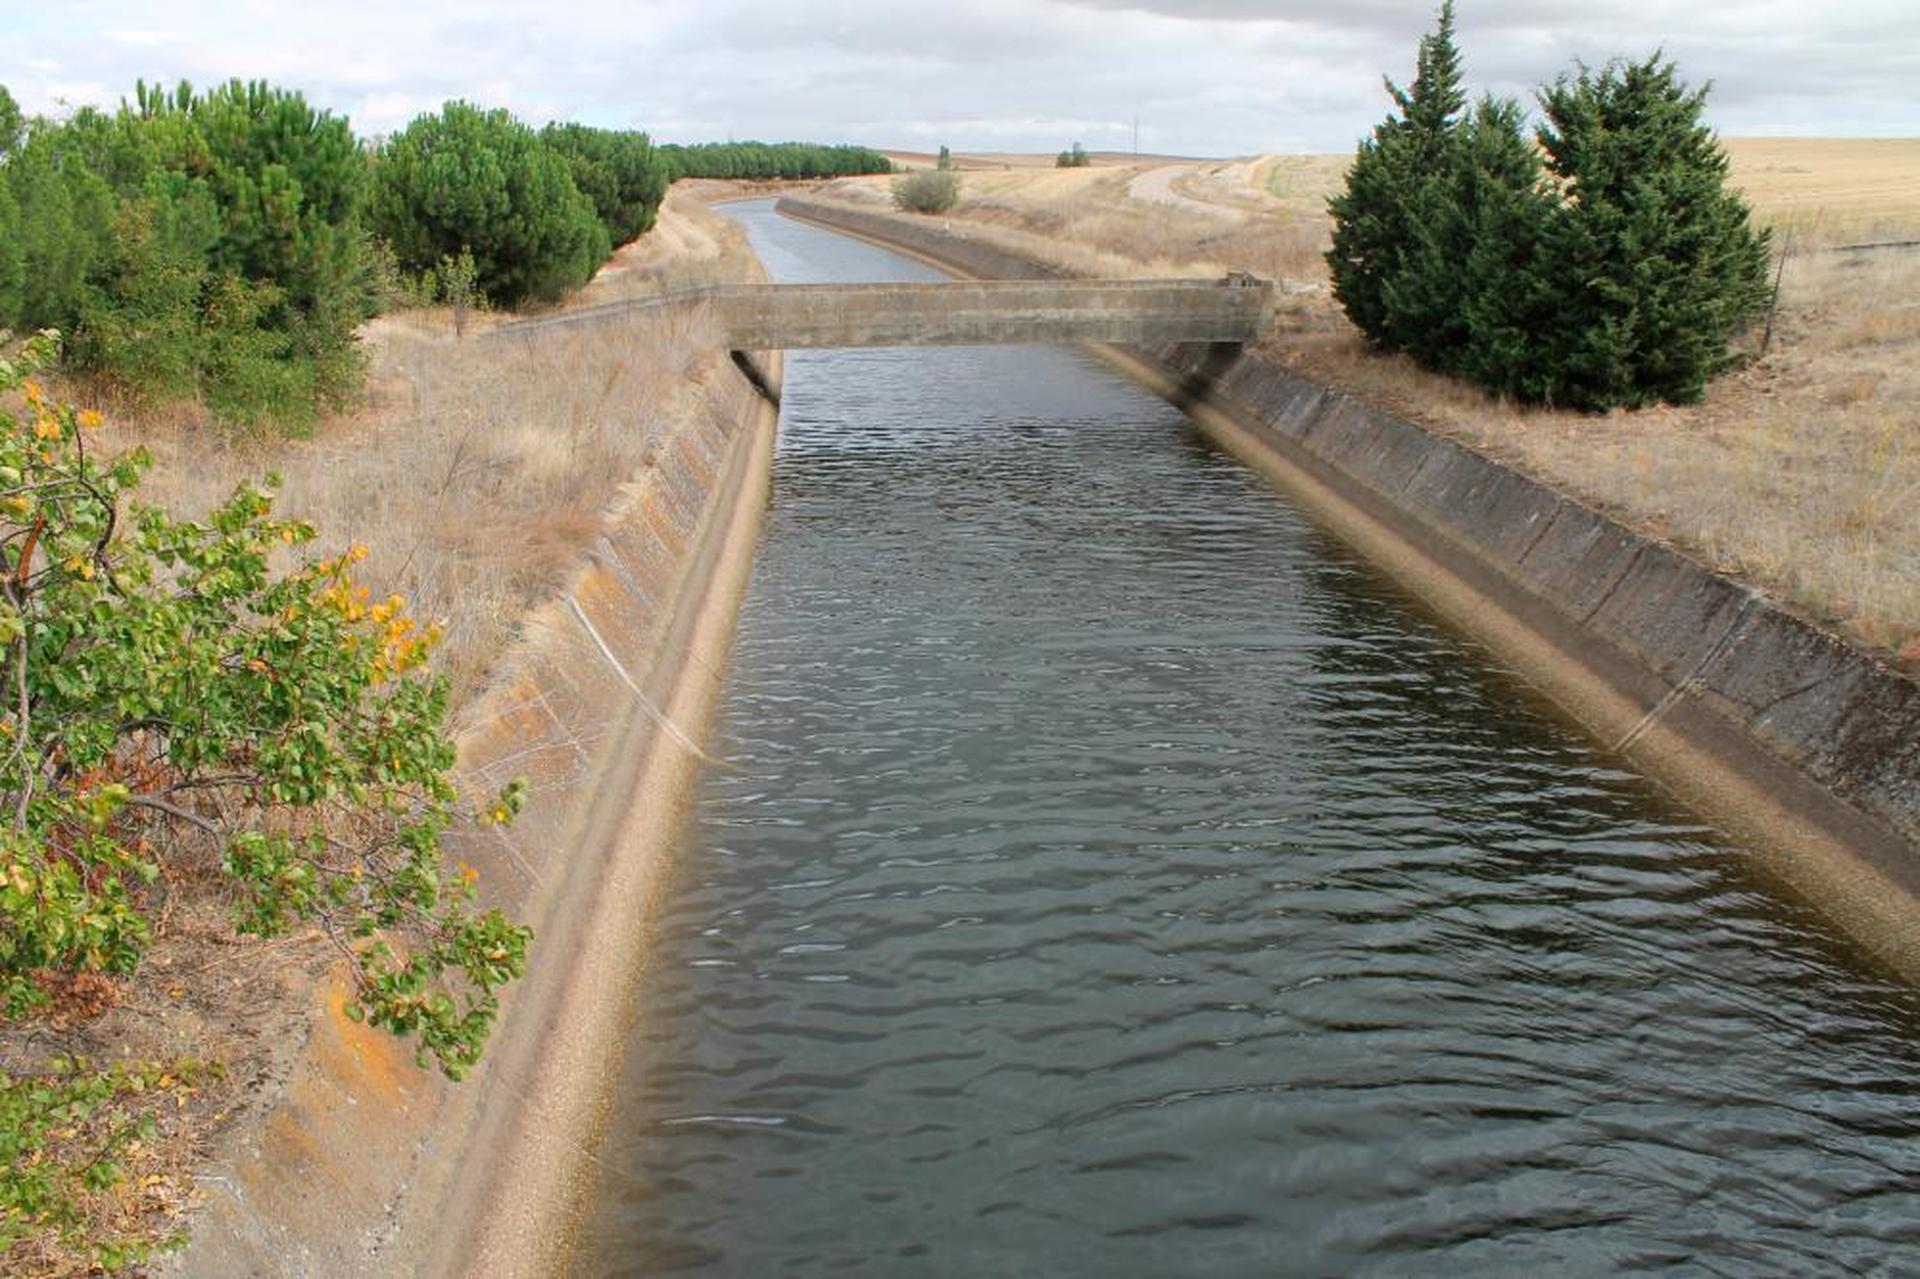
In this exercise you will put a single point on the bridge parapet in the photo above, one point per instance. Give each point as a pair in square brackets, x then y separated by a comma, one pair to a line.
[964, 312]
[978, 312]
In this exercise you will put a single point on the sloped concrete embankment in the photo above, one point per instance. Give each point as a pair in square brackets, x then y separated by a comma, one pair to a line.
[1800, 745]
[367, 1165]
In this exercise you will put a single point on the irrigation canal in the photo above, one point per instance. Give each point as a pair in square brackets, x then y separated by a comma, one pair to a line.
[1116, 878]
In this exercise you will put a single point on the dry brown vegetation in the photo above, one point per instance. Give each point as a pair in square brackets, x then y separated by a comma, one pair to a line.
[1800, 471]
[479, 467]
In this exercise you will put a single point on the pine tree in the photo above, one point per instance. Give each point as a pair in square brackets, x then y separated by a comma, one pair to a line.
[12, 123]
[468, 180]
[1432, 106]
[1657, 263]
[65, 214]
[1386, 280]
[1511, 308]
[13, 267]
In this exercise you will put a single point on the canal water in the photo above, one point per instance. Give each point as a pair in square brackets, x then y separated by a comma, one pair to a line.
[1114, 877]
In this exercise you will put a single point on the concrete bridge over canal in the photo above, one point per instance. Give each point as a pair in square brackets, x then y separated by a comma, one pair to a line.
[763, 317]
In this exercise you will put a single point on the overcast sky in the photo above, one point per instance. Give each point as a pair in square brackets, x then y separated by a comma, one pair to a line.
[1206, 77]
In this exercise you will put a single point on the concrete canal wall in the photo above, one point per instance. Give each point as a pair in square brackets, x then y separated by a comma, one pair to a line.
[1800, 745]
[365, 1164]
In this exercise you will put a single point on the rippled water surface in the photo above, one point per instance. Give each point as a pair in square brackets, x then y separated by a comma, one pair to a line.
[1119, 879]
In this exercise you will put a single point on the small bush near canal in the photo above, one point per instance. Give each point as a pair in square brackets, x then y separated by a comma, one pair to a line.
[927, 191]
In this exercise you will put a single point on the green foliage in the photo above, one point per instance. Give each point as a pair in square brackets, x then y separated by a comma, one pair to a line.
[945, 159]
[481, 182]
[926, 191]
[619, 171]
[13, 265]
[767, 160]
[171, 696]
[170, 692]
[226, 245]
[1473, 241]
[142, 319]
[66, 217]
[196, 244]
[456, 283]
[1501, 220]
[65, 1134]
[1652, 254]
[1616, 275]
[1074, 157]
[1399, 178]
[12, 123]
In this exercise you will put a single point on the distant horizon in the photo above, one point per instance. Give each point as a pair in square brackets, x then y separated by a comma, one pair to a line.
[1187, 77]
[1171, 157]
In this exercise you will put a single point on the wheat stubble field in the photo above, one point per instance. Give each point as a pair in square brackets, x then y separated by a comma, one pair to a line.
[1799, 472]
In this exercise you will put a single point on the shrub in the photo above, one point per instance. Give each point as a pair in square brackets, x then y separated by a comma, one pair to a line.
[141, 230]
[1653, 259]
[927, 191]
[1616, 276]
[173, 697]
[945, 159]
[141, 321]
[66, 1133]
[620, 172]
[173, 694]
[1074, 157]
[481, 182]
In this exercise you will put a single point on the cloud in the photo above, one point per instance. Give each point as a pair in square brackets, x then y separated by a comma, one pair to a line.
[141, 39]
[1204, 76]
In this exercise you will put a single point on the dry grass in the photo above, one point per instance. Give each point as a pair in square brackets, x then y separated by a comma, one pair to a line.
[478, 469]
[1800, 472]
[1084, 220]
[1002, 160]
[1826, 191]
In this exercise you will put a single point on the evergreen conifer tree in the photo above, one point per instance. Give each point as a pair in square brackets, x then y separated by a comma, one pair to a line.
[13, 266]
[1392, 286]
[481, 182]
[1656, 264]
[12, 123]
[1505, 211]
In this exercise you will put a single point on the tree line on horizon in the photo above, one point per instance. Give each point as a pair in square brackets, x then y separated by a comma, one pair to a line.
[769, 160]
[225, 244]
